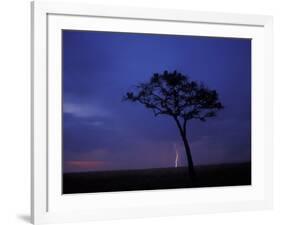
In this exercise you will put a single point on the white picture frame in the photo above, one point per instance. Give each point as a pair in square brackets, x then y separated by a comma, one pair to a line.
[48, 205]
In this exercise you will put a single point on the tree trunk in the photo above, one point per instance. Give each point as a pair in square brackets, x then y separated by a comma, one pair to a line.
[189, 158]
[182, 130]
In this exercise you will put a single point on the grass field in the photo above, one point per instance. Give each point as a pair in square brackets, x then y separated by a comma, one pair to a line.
[151, 179]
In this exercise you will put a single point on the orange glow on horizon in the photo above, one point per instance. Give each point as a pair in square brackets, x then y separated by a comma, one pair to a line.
[82, 164]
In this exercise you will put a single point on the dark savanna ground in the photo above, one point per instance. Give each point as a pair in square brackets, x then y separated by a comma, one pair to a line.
[150, 179]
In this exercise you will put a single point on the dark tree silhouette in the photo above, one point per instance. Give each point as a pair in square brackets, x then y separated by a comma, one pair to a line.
[175, 95]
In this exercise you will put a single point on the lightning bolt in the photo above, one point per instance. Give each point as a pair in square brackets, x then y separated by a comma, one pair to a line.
[177, 156]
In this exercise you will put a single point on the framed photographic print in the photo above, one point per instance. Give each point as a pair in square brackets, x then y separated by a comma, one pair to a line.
[148, 112]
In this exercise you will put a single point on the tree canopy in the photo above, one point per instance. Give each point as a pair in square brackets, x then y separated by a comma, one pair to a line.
[174, 94]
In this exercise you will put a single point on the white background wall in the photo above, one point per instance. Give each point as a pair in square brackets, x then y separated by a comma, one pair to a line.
[15, 109]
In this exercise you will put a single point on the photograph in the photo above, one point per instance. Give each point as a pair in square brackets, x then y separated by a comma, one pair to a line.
[147, 111]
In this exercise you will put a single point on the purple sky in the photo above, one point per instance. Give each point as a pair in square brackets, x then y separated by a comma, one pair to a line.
[102, 132]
